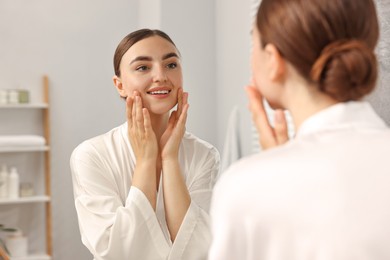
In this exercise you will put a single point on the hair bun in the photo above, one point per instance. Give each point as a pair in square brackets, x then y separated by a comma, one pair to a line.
[345, 70]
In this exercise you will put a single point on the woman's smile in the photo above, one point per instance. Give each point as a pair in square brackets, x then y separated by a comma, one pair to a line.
[159, 92]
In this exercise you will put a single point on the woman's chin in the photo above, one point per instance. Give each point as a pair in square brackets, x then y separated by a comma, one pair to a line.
[160, 110]
[274, 105]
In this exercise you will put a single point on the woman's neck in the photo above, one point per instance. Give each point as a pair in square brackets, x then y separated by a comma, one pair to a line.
[159, 123]
[304, 101]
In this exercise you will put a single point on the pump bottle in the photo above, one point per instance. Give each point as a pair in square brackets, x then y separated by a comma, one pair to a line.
[3, 182]
[13, 184]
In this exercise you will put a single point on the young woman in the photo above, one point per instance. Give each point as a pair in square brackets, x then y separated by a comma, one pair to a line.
[142, 190]
[324, 194]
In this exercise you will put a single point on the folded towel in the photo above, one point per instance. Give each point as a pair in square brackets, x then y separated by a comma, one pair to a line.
[21, 140]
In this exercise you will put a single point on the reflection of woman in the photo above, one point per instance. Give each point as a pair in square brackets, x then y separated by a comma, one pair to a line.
[142, 190]
[325, 194]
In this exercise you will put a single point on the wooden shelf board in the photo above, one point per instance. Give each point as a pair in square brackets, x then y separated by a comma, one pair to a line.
[29, 105]
[21, 200]
[32, 257]
[23, 149]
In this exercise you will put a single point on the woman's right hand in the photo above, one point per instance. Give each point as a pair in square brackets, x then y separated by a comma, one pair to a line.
[268, 136]
[142, 137]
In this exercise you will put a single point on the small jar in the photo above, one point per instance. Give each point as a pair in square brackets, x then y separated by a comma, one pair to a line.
[26, 189]
[13, 96]
[24, 96]
[3, 97]
[17, 244]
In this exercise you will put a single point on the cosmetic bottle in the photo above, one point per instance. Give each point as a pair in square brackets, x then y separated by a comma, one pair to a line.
[13, 184]
[3, 97]
[13, 96]
[3, 182]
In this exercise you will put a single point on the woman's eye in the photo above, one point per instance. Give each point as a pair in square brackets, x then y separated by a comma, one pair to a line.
[172, 65]
[142, 68]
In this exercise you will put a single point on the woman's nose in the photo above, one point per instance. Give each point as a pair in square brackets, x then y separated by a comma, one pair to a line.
[160, 75]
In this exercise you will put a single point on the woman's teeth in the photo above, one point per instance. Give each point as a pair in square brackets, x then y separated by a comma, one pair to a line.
[159, 92]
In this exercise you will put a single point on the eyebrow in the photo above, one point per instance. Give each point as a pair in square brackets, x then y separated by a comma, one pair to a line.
[148, 58]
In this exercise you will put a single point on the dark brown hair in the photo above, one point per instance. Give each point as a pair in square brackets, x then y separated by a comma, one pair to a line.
[130, 40]
[329, 42]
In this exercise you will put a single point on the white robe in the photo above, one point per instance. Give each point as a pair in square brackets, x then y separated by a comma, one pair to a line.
[323, 195]
[117, 221]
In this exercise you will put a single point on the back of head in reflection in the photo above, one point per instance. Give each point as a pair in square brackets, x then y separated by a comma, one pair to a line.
[325, 193]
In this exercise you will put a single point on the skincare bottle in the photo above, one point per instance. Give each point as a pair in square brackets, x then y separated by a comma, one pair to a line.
[3, 182]
[3, 97]
[13, 184]
[13, 96]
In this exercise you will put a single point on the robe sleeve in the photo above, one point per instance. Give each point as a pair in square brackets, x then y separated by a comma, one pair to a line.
[194, 236]
[111, 228]
[225, 222]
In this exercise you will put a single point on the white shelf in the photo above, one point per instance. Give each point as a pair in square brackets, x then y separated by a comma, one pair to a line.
[33, 118]
[23, 149]
[32, 257]
[28, 105]
[21, 200]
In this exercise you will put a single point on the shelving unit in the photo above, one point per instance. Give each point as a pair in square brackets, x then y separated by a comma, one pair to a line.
[41, 200]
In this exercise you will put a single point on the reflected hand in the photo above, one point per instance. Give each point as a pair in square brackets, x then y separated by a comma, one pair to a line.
[268, 136]
[171, 138]
[141, 135]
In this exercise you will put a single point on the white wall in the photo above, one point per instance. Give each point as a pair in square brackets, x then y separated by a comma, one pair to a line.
[380, 99]
[233, 25]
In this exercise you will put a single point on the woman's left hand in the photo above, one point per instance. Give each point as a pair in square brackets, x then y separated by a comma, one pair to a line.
[268, 136]
[171, 138]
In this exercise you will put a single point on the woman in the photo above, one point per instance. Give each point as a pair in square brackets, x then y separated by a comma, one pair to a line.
[142, 190]
[324, 194]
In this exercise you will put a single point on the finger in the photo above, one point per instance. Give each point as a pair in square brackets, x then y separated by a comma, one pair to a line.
[139, 116]
[147, 122]
[281, 130]
[133, 112]
[259, 114]
[185, 98]
[129, 109]
[179, 101]
[172, 119]
[267, 138]
[183, 117]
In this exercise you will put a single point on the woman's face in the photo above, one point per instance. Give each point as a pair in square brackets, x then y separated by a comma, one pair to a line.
[152, 68]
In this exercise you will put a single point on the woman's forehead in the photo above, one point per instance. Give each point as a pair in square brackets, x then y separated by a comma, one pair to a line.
[154, 46]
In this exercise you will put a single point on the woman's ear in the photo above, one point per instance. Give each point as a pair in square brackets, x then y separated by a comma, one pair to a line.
[119, 86]
[276, 63]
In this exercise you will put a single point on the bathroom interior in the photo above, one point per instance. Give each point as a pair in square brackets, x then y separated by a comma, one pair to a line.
[56, 90]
